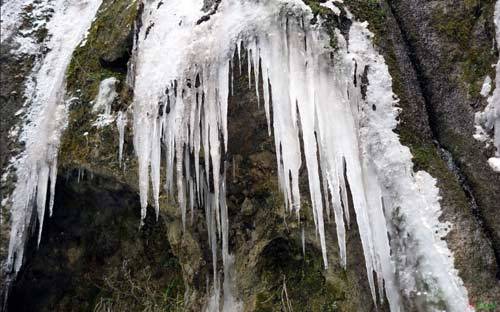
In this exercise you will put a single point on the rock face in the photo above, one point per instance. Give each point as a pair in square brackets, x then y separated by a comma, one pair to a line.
[94, 256]
[449, 46]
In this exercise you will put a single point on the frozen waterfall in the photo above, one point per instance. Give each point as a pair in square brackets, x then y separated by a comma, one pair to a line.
[313, 96]
[181, 89]
[36, 166]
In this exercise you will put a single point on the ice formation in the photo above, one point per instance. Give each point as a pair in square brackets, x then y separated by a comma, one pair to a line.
[182, 82]
[486, 88]
[36, 167]
[102, 104]
[488, 121]
[330, 5]
[10, 17]
[181, 86]
[121, 123]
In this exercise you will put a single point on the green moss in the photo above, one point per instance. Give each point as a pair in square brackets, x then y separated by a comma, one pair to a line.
[316, 7]
[373, 11]
[457, 25]
[109, 34]
[291, 280]
[84, 145]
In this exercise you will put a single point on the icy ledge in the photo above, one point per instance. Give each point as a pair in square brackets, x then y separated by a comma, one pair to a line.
[182, 82]
[488, 121]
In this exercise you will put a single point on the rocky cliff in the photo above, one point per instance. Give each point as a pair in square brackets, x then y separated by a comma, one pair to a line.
[95, 256]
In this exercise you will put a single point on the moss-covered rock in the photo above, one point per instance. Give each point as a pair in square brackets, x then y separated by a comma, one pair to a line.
[105, 54]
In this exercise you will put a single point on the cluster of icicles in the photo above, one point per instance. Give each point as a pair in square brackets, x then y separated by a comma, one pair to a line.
[181, 75]
[66, 22]
[182, 79]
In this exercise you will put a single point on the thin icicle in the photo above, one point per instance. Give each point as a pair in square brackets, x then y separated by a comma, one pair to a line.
[121, 123]
[53, 180]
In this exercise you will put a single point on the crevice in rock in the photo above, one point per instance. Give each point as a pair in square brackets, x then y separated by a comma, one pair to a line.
[119, 65]
[453, 166]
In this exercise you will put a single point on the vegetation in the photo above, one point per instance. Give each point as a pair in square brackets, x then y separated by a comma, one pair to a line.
[105, 54]
[459, 25]
[123, 290]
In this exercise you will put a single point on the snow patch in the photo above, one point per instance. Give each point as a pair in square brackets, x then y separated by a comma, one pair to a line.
[494, 163]
[10, 17]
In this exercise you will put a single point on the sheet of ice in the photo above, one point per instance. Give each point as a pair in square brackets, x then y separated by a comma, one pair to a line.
[486, 88]
[46, 117]
[102, 104]
[182, 82]
[410, 202]
[10, 17]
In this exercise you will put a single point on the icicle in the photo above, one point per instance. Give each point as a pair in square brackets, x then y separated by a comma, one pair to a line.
[249, 69]
[155, 163]
[239, 55]
[121, 123]
[53, 178]
[41, 197]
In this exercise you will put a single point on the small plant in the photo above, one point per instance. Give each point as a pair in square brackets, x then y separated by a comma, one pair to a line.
[125, 291]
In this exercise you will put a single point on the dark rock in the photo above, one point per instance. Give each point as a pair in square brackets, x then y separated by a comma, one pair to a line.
[93, 253]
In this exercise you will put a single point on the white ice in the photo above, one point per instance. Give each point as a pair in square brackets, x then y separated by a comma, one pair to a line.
[488, 121]
[486, 88]
[329, 4]
[102, 104]
[36, 167]
[182, 85]
[10, 17]
[121, 123]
